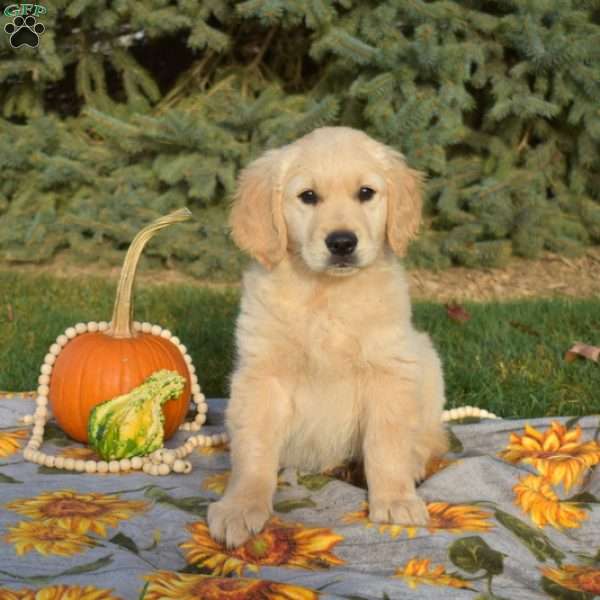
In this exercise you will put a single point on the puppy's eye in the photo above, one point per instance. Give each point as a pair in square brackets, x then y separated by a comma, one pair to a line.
[308, 197]
[365, 194]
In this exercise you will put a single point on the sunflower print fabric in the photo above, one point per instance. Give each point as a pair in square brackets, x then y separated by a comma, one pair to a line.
[514, 514]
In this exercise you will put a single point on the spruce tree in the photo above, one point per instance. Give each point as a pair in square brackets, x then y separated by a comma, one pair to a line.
[130, 108]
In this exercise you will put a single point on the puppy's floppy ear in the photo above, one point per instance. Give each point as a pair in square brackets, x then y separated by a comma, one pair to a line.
[405, 186]
[256, 219]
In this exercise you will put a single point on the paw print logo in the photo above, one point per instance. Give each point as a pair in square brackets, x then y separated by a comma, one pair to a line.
[24, 32]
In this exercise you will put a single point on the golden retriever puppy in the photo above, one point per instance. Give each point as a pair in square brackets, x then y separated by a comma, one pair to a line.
[329, 367]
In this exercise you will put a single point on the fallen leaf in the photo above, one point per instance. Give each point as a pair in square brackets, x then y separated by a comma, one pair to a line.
[584, 350]
[457, 312]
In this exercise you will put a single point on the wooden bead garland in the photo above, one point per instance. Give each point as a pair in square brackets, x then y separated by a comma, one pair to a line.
[160, 462]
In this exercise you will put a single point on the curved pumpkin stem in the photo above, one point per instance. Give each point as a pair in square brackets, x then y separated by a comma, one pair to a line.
[122, 317]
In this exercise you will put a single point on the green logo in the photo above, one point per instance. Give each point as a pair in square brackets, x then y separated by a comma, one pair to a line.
[24, 29]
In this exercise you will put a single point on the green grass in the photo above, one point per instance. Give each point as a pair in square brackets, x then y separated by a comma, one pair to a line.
[508, 358]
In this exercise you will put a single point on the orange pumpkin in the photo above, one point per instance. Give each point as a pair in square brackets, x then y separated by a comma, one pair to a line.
[97, 366]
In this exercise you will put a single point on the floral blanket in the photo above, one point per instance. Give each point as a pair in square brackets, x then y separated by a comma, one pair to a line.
[513, 509]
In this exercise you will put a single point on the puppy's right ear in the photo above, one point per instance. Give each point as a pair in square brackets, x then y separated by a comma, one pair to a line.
[256, 219]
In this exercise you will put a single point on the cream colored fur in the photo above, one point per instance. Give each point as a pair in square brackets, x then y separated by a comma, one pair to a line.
[329, 366]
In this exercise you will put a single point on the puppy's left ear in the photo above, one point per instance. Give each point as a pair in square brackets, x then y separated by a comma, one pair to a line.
[405, 189]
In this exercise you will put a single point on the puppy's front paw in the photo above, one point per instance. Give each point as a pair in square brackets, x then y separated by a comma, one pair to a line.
[400, 511]
[235, 521]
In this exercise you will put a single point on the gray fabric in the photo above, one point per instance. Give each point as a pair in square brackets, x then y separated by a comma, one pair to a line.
[478, 478]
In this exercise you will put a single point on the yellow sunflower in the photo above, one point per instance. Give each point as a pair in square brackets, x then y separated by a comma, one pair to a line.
[457, 518]
[167, 585]
[362, 516]
[10, 441]
[536, 498]
[79, 453]
[212, 450]
[46, 539]
[279, 544]
[416, 571]
[576, 578]
[437, 464]
[59, 592]
[78, 512]
[557, 453]
[454, 518]
[218, 483]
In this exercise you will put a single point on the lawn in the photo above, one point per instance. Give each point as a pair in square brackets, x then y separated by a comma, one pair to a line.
[508, 357]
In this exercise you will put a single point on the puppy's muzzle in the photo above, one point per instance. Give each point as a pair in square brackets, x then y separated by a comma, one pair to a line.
[341, 243]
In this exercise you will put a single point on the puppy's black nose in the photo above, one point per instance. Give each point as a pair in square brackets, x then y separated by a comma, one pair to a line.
[341, 243]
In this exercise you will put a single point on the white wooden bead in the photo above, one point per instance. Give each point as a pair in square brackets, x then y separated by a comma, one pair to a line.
[71, 332]
[27, 453]
[187, 467]
[202, 408]
[28, 419]
[49, 461]
[54, 349]
[196, 388]
[44, 379]
[46, 369]
[163, 469]
[168, 457]
[49, 359]
[195, 426]
[179, 452]
[469, 411]
[156, 456]
[102, 326]
[81, 328]
[38, 457]
[69, 464]
[102, 466]
[461, 412]
[92, 326]
[453, 413]
[146, 327]
[61, 340]
[41, 411]
[80, 465]
[43, 390]
[146, 467]
[188, 447]
[154, 469]
[223, 437]
[137, 325]
[178, 466]
[188, 360]
[38, 430]
[185, 426]
[182, 349]
[125, 464]
[156, 329]
[192, 370]
[59, 462]
[175, 340]
[90, 466]
[113, 466]
[136, 463]
[165, 333]
[194, 378]
[41, 401]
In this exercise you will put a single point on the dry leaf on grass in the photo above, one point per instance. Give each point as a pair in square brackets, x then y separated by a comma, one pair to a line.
[457, 312]
[584, 350]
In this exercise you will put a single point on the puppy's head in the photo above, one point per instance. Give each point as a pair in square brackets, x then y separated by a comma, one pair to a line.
[333, 198]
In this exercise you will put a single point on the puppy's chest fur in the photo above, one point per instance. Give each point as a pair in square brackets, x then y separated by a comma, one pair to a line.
[328, 355]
